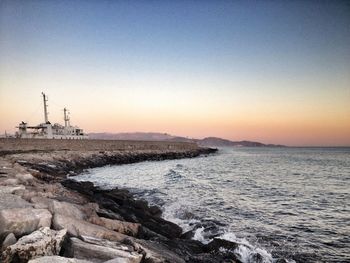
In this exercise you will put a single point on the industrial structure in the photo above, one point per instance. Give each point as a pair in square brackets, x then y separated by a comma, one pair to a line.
[48, 131]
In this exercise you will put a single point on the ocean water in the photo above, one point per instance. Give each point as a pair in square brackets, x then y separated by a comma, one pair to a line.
[290, 203]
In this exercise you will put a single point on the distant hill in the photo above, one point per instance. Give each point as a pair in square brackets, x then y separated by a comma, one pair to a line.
[155, 136]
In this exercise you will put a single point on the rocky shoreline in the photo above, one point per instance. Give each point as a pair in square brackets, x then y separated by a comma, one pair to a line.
[46, 217]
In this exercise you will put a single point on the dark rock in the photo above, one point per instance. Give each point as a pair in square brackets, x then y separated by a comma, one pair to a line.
[121, 202]
[218, 243]
[187, 235]
[155, 210]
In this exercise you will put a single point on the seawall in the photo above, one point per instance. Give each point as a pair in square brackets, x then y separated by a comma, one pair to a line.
[11, 145]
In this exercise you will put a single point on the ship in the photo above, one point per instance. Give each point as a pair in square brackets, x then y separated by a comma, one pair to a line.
[46, 130]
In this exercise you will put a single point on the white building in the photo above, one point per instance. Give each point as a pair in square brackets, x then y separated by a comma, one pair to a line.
[48, 131]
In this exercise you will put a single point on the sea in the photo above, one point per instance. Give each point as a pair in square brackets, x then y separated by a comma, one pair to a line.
[290, 203]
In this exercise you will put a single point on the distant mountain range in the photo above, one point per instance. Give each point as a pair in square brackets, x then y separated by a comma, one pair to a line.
[155, 136]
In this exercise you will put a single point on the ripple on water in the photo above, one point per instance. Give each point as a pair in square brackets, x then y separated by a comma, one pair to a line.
[278, 202]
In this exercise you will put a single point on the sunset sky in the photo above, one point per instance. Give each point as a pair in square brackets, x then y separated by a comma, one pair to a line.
[268, 71]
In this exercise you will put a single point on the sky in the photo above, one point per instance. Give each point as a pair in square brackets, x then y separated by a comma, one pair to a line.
[268, 71]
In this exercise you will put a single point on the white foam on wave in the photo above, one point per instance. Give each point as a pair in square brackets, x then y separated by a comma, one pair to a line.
[173, 212]
[245, 252]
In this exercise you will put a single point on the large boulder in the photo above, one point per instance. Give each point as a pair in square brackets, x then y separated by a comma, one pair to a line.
[43, 242]
[127, 228]
[57, 259]
[76, 228]
[67, 209]
[21, 221]
[99, 250]
[8, 201]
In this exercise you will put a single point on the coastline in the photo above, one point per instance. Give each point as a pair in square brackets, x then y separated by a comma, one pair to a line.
[77, 220]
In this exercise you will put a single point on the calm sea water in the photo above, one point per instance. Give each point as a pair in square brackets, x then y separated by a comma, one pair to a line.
[288, 203]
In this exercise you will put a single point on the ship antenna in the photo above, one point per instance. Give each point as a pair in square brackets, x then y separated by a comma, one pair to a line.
[45, 107]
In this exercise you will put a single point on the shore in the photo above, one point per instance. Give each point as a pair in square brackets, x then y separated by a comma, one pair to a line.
[46, 217]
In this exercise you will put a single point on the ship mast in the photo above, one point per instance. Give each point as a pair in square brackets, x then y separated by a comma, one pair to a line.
[66, 118]
[45, 107]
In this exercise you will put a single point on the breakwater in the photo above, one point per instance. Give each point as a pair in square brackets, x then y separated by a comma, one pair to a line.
[45, 217]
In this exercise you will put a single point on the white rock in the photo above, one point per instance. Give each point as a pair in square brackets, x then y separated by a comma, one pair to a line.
[11, 189]
[127, 228]
[57, 259]
[23, 220]
[43, 242]
[76, 227]
[66, 209]
[103, 252]
[8, 201]
[25, 178]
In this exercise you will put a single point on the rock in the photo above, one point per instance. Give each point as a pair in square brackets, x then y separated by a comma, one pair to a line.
[109, 214]
[9, 240]
[25, 178]
[76, 227]
[28, 195]
[155, 252]
[10, 181]
[41, 202]
[82, 187]
[101, 250]
[121, 202]
[11, 189]
[188, 235]
[218, 243]
[67, 209]
[57, 259]
[90, 209]
[22, 221]
[127, 228]
[8, 201]
[43, 242]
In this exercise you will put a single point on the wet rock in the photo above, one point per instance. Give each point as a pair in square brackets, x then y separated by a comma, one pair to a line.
[218, 243]
[109, 214]
[155, 252]
[76, 227]
[127, 228]
[98, 250]
[155, 210]
[187, 235]
[9, 240]
[57, 259]
[22, 221]
[82, 187]
[43, 242]
[121, 202]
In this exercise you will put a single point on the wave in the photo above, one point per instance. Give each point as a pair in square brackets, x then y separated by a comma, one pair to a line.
[245, 251]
